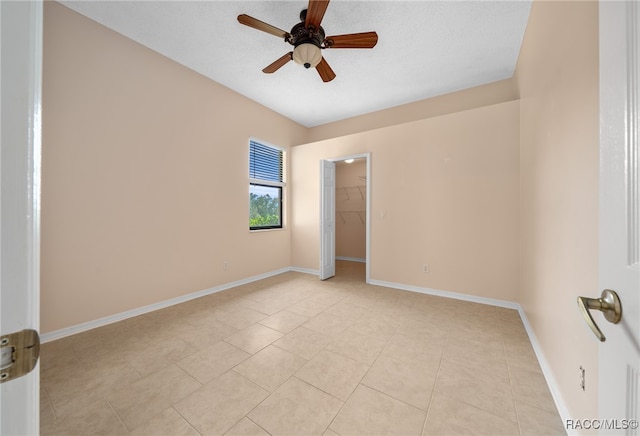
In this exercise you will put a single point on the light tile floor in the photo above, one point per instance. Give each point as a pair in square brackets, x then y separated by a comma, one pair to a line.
[291, 355]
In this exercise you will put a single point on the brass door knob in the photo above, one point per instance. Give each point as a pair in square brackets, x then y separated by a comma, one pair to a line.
[609, 304]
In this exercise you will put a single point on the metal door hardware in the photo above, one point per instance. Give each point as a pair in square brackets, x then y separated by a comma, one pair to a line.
[19, 354]
[609, 304]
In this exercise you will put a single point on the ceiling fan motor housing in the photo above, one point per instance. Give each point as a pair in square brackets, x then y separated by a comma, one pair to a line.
[302, 35]
[307, 43]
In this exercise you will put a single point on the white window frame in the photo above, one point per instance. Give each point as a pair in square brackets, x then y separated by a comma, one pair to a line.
[282, 185]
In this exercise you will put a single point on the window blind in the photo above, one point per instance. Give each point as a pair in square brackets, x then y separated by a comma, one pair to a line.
[265, 162]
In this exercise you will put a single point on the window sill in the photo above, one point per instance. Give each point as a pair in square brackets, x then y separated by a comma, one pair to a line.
[267, 230]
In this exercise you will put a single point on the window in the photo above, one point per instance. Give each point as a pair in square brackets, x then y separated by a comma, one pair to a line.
[266, 180]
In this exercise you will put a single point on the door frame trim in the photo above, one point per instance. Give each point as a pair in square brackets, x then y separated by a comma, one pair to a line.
[367, 157]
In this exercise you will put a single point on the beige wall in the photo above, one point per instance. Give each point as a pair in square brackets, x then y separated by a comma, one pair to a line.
[145, 185]
[557, 73]
[471, 98]
[351, 209]
[444, 191]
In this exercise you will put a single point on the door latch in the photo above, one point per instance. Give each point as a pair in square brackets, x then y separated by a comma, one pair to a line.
[19, 353]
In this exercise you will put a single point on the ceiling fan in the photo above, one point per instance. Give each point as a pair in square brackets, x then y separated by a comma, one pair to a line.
[308, 39]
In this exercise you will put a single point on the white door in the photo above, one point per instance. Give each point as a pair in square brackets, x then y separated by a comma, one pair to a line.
[619, 356]
[327, 219]
[20, 92]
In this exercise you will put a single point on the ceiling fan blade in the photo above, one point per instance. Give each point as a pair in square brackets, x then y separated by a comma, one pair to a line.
[325, 71]
[352, 40]
[315, 12]
[278, 63]
[261, 25]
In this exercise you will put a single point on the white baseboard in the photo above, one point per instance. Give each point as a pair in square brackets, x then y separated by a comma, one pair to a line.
[557, 397]
[314, 272]
[447, 294]
[352, 259]
[542, 361]
[79, 328]
[563, 410]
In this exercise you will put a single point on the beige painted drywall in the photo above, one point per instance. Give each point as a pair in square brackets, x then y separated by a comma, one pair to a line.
[478, 96]
[351, 209]
[444, 191]
[145, 184]
[557, 73]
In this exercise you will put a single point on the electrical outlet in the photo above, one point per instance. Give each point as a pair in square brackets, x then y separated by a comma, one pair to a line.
[582, 372]
[425, 268]
[225, 265]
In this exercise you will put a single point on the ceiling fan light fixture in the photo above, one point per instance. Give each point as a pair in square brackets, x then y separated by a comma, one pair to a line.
[307, 55]
[309, 39]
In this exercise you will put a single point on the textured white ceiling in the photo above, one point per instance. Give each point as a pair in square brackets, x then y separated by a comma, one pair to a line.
[425, 48]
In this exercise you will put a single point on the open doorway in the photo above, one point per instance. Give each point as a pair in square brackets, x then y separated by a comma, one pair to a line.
[345, 223]
[351, 218]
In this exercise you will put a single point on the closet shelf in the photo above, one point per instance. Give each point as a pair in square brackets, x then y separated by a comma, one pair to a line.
[342, 213]
[361, 189]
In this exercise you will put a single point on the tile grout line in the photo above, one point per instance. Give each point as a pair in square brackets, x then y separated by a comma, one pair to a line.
[513, 394]
[435, 382]
[246, 415]
[292, 375]
[53, 410]
[487, 411]
[255, 423]
[185, 419]
[384, 305]
[344, 403]
[104, 397]
[510, 386]
[360, 383]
